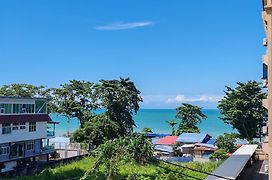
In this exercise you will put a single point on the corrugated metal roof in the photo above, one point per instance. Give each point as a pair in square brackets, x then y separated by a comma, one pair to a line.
[164, 148]
[150, 135]
[206, 145]
[233, 166]
[193, 138]
[168, 140]
[25, 118]
[212, 141]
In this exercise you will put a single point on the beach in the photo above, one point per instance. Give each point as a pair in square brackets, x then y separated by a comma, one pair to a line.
[156, 120]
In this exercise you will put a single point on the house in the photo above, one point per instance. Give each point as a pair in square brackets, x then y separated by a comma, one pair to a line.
[25, 132]
[167, 140]
[204, 150]
[187, 141]
[192, 138]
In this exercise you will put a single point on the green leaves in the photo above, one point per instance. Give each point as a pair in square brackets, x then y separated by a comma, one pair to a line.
[227, 142]
[190, 117]
[121, 100]
[242, 108]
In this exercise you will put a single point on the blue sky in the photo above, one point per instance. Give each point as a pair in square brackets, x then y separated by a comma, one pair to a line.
[175, 51]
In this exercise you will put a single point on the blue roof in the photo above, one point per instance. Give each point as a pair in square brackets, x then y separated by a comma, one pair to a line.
[164, 148]
[193, 138]
[156, 135]
[212, 141]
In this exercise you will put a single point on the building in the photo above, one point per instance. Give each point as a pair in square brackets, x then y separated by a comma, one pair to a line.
[25, 132]
[267, 76]
[192, 138]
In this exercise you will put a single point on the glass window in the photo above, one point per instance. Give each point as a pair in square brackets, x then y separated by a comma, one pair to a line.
[5, 108]
[32, 126]
[4, 150]
[22, 126]
[6, 129]
[15, 126]
[40, 106]
[30, 146]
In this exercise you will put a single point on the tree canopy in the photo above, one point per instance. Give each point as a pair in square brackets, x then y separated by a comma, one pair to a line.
[75, 99]
[23, 90]
[227, 142]
[190, 116]
[97, 131]
[242, 108]
[121, 100]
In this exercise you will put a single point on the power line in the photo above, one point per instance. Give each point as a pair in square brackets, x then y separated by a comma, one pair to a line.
[202, 172]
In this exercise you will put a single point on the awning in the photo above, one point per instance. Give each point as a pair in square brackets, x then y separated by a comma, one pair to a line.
[22, 118]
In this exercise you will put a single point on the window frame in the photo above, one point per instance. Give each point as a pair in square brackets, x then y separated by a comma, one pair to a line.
[32, 127]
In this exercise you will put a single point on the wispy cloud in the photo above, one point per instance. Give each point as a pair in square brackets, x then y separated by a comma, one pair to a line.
[181, 98]
[199, 98]
[123, 26]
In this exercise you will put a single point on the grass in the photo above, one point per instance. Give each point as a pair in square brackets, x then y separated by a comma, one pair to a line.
[128, 171]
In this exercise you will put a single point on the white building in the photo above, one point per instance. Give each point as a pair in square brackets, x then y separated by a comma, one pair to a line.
[25, 132]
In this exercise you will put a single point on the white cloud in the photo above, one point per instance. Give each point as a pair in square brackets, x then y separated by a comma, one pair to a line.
[123, 26]
[197, 98]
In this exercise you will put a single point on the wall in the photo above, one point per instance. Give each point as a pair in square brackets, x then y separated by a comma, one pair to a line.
[24, 134]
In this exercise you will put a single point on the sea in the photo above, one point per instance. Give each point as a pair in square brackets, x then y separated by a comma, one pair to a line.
[156, 120]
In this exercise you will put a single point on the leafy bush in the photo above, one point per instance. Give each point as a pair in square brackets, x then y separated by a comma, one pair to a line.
[219, 154]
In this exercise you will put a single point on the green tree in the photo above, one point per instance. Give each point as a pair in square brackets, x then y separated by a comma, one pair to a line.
[97, 131]
[147, 130]
[190, 117]
[219, 154]
[23, 90]
[172, 124]
[75, 99]
[242, 108]
[110, 155]
[28, 90]
[121, 100]
[227, 142]
[141, 148]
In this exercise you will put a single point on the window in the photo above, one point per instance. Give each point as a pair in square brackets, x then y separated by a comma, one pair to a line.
[4, 150]
[2, 110]
[22, 126]
[32, 126]
[6, 129]
[30, 146]
[15, 126]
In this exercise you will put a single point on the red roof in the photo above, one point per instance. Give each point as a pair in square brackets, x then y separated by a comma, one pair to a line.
[25, 118]
[167, 140]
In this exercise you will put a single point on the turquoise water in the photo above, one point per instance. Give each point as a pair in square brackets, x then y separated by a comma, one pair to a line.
[154, 119]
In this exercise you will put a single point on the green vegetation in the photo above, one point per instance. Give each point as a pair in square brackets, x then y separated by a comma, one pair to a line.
[227, 142]
[121, 100]
[97, 131]
[172, 124]
[147, 130]
[242, 108]
[190, 116]
[128, 170]
[220, 154]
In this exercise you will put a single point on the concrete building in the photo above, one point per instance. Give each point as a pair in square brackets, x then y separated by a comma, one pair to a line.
[25, 132]
[267, 77]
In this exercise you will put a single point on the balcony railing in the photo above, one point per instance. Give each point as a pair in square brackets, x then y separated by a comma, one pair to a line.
[50, 133]
[48, 148]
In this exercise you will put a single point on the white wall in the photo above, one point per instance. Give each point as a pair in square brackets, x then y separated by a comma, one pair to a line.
[24, 134]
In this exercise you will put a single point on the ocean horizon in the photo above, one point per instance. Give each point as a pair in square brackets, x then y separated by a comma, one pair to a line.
[154, 119]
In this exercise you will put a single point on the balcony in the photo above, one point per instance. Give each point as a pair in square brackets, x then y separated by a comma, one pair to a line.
[50, 133]
[48, 149]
